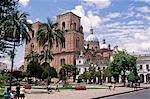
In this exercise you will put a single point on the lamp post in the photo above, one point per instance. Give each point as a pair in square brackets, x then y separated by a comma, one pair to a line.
[100, 77]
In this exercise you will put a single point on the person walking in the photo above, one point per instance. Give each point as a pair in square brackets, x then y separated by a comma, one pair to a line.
[6, 94]
[57, 86]
[109, 86]
[113, 86]
[17, 91]
[22, 93]
[49, 89]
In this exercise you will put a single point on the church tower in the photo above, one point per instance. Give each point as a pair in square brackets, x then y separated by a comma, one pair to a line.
[74, 40]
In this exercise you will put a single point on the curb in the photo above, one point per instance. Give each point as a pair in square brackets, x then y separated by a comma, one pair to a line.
[120, 93]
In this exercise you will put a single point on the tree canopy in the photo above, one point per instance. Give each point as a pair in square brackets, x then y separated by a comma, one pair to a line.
[121, 63]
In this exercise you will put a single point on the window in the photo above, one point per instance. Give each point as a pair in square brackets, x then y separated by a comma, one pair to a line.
[141, 67]
[77, 42]
[63, 25]
[63, 44]
[147, 66]
[74, 26]
[103, 68]
[62, 61]
[32, 34]
[79, 61]
[85, 69]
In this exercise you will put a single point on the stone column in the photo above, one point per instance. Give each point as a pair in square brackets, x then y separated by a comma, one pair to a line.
[144, 78]
[106, 80]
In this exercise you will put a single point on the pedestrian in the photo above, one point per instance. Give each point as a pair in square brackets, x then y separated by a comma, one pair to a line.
[109, 86]
[113, 86]
[49, 89]
[12, 96]
[18, 90]
[135, 86]
[22, 93]
[57, 86]
[6, 94]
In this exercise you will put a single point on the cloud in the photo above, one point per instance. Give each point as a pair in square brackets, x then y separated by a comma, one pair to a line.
[88, 18]
[146, 1]
[114, 15]
[24, 2]
[30, 21]
[135, 22]
[144, 9]
[100, 4]
[37, 19]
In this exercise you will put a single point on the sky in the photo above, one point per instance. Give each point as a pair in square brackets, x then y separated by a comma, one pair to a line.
[125, 23]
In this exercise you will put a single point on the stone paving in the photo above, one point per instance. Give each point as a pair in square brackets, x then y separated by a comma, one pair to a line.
[75, 94]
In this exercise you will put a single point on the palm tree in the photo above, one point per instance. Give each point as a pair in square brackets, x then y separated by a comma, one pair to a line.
[16, 30]
[49, 35]
[45, 54]
[32, 57]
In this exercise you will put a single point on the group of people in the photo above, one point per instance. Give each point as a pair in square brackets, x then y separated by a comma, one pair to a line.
[19, 93]
[49, 89]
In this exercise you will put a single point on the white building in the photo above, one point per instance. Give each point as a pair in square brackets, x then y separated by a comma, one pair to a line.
[143, 66]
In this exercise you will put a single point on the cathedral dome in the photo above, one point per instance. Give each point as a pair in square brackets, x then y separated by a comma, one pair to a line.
[92, 37]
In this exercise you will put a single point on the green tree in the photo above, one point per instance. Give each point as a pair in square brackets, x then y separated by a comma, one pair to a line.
[121, 63]
[4, 77]
[7, 7]
[132, 77]
[14, 27]
[70, 70]
[17, 74]
[34, 69]
[49, 33]
[107, 73]
[32, 57]
[53, 73]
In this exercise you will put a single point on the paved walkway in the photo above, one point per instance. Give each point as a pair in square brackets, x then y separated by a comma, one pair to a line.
[74, 94]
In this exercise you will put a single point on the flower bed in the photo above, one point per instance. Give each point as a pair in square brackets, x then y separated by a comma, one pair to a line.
[27, 86]
[80, 87]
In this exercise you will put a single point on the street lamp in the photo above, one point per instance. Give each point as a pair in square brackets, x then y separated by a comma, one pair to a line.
[100, 77]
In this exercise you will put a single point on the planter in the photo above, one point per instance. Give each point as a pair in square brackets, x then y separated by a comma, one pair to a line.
[27, 86]
[80, 87]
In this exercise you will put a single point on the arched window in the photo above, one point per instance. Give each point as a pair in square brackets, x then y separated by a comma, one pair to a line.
[74, 26]
[62, 61]
[147, 66]
[63, 44]
[77, 42]
[32, 34]
[63, 25]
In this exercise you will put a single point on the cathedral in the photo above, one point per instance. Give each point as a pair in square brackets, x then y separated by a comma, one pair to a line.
[76, 50]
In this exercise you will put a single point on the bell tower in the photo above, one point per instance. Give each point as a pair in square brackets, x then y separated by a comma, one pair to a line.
[74, 40]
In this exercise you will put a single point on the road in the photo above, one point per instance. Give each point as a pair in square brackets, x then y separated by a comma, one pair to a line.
[143, 94]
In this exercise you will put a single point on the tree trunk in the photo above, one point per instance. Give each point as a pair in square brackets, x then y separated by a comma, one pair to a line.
[124, 79]
[12, 64]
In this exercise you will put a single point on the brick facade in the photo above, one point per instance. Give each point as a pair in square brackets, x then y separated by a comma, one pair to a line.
[74, 40]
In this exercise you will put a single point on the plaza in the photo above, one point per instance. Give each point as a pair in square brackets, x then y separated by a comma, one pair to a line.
[79, 94]
[74, 49]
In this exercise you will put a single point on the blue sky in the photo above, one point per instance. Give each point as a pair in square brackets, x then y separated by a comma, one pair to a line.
[125, 23]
